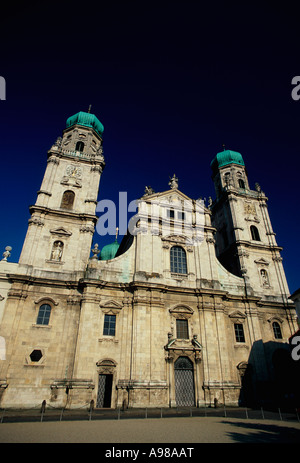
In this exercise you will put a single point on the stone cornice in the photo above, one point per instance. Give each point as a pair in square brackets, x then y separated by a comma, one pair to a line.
[62, 213]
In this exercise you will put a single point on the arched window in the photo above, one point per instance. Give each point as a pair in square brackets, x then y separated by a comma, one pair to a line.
[67, 200]
[277, 330]
[241, 183]
[79, 146]
[178, 260]
[254, 233]
[44, 315]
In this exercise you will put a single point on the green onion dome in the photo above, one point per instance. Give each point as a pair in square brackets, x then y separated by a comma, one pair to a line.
[109, 251]
[87, 120]
[226, 157]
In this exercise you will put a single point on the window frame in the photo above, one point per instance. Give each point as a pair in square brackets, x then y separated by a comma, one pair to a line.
[241, 183]
[255, 236]
[239, 332]
[170, 213]
[110, 330]
[182, 328]
[81, 145]
[178, 264]
[278, 327]
[43, 318]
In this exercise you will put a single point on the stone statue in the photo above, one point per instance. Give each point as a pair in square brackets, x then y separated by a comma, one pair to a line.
[57, 249]
[173, 183]
[148, 191]
[6, 253]
[257, 187]
[95, 251]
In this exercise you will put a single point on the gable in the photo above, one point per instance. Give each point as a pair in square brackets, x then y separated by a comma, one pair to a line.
[167, 196]
[60, 231]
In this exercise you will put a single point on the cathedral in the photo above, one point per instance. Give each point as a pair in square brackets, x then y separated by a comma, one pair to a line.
[191, 308]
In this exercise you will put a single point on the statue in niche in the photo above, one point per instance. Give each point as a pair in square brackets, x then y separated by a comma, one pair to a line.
[57, 250]
[264, 277]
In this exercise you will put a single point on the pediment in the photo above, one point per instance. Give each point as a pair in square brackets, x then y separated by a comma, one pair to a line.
[181, 311]
[237, 314]
[261, 261]
[169, 196]
[180, 239]
[61, 231]
[111, 304]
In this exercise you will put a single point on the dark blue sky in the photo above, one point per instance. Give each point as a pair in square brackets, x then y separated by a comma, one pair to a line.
[171, 82]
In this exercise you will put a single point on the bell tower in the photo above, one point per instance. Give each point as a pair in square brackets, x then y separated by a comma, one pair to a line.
[245, 241]
[63, 218]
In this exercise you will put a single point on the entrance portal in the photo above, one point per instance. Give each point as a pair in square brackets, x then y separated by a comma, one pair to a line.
[104, 391]
[184, 382]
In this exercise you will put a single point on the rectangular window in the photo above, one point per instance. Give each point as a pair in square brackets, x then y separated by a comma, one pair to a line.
[181, 215]
[109, 328]
[239, 332]
[182, 329]
[170, 214]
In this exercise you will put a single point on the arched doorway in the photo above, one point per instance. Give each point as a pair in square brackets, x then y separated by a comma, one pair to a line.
[184, 382]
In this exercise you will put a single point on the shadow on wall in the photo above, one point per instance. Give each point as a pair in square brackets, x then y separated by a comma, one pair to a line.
[271, 378]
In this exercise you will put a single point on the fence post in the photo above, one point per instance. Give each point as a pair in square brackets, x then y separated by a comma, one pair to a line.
[92, 403]
[43, 408]
[61, 414]
[279, 413]
[246, 413]
[297, 415]
[262, 413]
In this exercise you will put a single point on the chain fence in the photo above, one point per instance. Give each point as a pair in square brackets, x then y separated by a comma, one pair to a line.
[87, 412]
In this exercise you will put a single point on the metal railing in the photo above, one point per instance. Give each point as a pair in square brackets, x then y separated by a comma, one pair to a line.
[87, 412]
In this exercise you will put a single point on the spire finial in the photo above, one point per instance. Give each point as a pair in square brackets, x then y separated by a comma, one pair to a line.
[90, 107]
[223, 146]
[117, 231]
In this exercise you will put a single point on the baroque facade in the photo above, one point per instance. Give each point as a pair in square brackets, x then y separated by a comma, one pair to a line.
[189, 310]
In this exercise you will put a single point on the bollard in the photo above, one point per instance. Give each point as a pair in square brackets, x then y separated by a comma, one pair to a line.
[262, 413]
[246, 412]
[61, 414]
[297, 415]
[43, 408]
[279, 413]
[92, 405]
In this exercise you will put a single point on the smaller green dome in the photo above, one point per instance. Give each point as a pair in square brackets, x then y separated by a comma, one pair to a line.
[227, 157]
[109, 251]
[87, 120]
